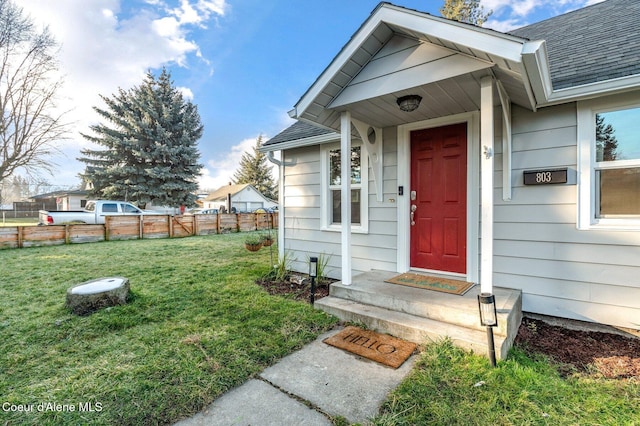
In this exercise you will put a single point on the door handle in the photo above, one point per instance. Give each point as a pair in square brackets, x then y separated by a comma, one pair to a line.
[412, 214]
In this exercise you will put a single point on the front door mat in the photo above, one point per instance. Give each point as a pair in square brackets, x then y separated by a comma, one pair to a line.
[426, 282]
[381, 348]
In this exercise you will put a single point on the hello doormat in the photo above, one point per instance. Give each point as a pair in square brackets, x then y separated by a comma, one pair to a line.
[381, 348]
[426, 282]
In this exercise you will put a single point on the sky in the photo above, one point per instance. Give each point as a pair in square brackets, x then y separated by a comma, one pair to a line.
[244, 63]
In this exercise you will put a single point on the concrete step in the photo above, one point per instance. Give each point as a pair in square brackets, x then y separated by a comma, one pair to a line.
[411, 327]
[369, 288]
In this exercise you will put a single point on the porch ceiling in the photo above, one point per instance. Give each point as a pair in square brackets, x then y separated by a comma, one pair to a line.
[447, 97]
[399, 52]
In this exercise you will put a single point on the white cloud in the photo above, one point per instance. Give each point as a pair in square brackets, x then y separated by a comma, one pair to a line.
[217, 173]
[103, 50]
[510, 14]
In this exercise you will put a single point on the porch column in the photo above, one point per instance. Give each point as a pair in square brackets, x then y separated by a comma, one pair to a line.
[486, 172]
[345, 194]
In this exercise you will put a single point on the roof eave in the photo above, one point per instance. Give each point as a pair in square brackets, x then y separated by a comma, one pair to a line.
[298, 143]
[503, 45]
[592, 90]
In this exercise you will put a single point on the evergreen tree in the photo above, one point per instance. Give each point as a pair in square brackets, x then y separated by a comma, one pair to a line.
[606, 142]
[468, 11]
[255, 171]
[150, 145]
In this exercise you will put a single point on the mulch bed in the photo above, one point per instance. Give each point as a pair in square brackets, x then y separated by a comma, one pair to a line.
[592, 353]
[295, 287]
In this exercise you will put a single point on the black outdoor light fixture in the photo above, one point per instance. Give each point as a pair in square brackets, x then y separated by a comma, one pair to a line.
[409, 103]
[489, 319]
[313, 273]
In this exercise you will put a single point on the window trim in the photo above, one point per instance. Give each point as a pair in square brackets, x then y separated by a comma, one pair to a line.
[325, 188]
[587, 164]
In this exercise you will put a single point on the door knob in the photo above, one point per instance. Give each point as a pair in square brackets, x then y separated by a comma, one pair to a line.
[413, 209]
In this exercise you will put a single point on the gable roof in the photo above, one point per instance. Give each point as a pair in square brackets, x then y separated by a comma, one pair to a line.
[597, 43]
[398, 51]
[298, 130]
[221, 193]
[583, 53]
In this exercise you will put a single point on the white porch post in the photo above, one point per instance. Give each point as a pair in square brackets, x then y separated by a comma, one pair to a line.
[345, 192]
[486, 172]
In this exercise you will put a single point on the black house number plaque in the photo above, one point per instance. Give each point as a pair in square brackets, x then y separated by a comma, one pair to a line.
[545, 177]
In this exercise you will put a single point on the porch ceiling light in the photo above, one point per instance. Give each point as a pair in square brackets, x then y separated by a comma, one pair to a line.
[409, 103]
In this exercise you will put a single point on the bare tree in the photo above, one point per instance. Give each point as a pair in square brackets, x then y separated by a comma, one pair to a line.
[30, 123]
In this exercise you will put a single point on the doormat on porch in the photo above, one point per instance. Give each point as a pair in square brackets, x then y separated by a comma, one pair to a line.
[381, 348]
[426, 282]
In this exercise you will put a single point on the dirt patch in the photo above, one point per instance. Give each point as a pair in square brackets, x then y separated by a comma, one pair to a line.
[295, 287]
[595, 353]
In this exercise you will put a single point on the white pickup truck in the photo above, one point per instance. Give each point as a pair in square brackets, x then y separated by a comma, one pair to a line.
[93, 213]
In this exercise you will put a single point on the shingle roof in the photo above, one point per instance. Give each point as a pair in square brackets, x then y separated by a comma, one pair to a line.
[596, 43]
[592, 44]
[298, 130]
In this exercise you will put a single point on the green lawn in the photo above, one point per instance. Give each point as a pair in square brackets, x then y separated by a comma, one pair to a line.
[13, 221]
[449, 386]
[197, 325]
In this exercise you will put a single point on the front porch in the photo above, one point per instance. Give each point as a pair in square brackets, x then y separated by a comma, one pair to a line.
[420, 315]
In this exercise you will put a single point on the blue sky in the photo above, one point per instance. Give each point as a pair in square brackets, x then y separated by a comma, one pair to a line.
[244, 63]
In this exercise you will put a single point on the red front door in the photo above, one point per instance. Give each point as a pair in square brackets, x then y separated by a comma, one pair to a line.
[439, 203]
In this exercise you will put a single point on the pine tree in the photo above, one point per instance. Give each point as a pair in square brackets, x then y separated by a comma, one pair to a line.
[606, 142]
[468, 11]
[254, 170]
[150, 146]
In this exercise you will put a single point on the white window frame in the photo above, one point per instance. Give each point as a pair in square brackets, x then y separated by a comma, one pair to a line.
[326, 199]
[587, 164]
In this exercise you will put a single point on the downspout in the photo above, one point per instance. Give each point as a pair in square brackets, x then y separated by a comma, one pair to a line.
[281, 165]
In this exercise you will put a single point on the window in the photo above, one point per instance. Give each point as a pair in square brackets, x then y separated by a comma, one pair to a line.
[609, 137]
[128, 208]
[109, 208]
[332, 191]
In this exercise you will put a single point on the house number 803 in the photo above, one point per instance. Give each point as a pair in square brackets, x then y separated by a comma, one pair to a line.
[543, 177]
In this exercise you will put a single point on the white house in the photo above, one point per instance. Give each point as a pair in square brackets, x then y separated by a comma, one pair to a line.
[65, 200]
[503, 175]
[244, 198]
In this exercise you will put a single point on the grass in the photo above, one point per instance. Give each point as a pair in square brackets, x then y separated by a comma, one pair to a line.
[449, 386]
[196, 326]
[18, 221]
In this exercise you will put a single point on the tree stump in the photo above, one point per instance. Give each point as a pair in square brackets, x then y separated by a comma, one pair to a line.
[90, 296]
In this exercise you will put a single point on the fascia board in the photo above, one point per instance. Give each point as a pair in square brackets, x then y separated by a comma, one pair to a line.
[297, 143]
[338, 62]
[492, 42]
[591, 90]
[536, 69]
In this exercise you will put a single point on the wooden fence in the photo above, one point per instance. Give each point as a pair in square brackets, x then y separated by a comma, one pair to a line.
[135, 227]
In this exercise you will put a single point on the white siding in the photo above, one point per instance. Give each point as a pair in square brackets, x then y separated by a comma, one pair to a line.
[303, 236]
[562, 271]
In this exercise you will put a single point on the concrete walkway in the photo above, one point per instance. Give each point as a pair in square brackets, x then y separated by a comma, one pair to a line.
[308, 387]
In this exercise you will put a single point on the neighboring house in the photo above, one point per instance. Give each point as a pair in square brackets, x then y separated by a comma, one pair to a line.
[244, 198]
[504, 175]
[65, 200]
